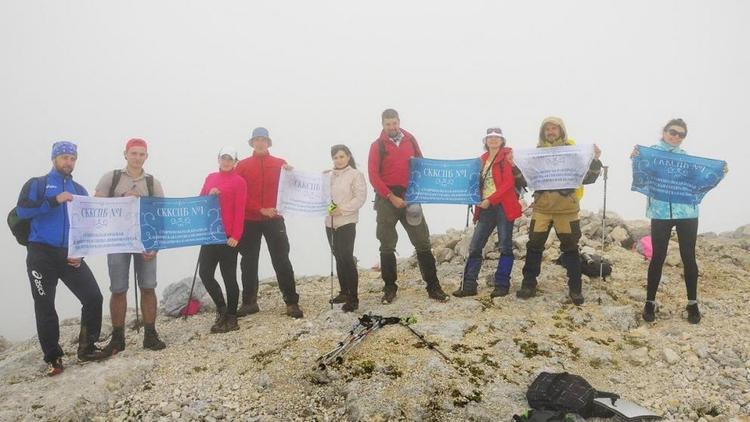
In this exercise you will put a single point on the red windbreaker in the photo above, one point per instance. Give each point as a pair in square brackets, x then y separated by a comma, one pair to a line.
[261, 173]
[395, 163]
[505, 190]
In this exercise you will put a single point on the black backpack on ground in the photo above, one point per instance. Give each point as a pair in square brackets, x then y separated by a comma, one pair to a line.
[21, 227]
[117, 174]
[567, 393]
[592, 265]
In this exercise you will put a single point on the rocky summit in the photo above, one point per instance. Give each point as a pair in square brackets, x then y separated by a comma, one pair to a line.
[267, 370]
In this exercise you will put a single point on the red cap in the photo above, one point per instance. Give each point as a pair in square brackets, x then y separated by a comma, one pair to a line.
[136, 142]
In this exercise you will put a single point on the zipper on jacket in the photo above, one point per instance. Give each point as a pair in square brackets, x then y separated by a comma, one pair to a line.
[262, 182]
[65, 218]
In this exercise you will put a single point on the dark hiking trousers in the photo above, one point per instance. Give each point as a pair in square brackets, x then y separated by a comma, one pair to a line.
[687, 233]
[568, 230]
[45, 265]
[387, 218]
[341, 241]
[225, 257]
[274, 231]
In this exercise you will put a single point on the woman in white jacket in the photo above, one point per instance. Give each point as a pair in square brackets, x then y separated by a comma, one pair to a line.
[348, 195]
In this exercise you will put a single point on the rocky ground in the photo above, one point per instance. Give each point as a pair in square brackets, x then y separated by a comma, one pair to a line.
[266, 371]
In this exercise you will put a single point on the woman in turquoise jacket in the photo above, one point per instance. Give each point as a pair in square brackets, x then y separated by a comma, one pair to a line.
[684, 218]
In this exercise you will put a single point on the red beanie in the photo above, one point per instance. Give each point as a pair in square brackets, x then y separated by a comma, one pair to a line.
[136, 142]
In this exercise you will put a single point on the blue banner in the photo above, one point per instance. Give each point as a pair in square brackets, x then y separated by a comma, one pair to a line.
[678, 178]
[444, 181]
[177, 222]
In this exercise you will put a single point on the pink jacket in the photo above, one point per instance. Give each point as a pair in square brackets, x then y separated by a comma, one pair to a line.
[349, 193]
[232, 197]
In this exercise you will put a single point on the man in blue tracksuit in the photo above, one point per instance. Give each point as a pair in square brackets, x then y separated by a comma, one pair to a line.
[43, 200]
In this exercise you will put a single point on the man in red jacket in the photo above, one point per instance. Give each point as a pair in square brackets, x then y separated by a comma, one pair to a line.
[388, 169]
[261, 172]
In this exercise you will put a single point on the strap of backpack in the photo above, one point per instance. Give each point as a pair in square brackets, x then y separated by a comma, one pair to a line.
[150, 184]
[115, 180]
[41, 188]
[607, 395]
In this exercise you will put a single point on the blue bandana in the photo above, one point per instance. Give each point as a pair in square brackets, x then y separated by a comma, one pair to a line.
[64, 147]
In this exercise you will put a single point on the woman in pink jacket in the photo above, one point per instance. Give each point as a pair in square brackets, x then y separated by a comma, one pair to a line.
[348, 194]
[232, 192]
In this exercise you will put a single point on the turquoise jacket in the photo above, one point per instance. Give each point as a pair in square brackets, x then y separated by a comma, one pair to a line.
[663, 210]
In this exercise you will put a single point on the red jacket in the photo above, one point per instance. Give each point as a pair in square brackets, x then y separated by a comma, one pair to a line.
[505, 191]
[261, 173]
[395, 163]
[232, 199]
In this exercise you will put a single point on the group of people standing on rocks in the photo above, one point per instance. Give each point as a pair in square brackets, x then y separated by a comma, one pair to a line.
[247, 191]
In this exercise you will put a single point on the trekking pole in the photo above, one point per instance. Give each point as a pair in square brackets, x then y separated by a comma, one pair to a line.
[333, 231]
[407, 322]
[604, 219]
[192, 286]
[468, 211]
[135, 290]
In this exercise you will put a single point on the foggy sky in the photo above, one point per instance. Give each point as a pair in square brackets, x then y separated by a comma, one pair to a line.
[191, 77]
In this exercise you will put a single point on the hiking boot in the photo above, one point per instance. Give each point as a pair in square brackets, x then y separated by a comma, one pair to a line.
[117, 342]
[293, 310]
[527, 290]
[220, 326]
[499, 292]
[87, 350]
[649, 312]
[694, 315]
[389, 295]
[152, 341]
[248, 308]
[576, 298]
[341, 298]
[437, 293]
[464, 293]
[351, 305]
[231, 323]
[55, 367]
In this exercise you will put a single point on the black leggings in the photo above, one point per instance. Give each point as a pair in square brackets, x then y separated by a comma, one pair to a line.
[687, 232]
[225, 257]
[341, 241]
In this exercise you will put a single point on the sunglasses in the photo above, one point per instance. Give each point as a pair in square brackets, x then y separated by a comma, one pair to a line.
[494, 131]
[677, 133]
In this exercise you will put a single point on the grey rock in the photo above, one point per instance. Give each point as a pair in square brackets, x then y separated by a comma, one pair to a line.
[621, 318]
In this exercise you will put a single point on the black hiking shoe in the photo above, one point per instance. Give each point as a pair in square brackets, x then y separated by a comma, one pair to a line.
[152, 341]
[293, 310]
[351, 305]
[91, 353]
[87, 350]
[55, 367]
[576, 298]
[220, 326]
[389, 295]
[437, 293]
[649, 312]
[499, 292]
[526, 292]
[464, 293]
[248, 308]
[340, 298]
[117, 342]
[231, 323]
[694, 315]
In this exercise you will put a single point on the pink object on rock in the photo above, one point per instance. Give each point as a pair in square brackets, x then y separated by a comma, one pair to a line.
[645, 247]
[192, 308]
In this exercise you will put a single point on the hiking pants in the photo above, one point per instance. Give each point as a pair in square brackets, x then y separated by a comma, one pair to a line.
[687, 232]
[341, 241]
[274, 231]
[225, 257]
[568, 230]
[45, 265]
[490, 219]
[419, 235]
